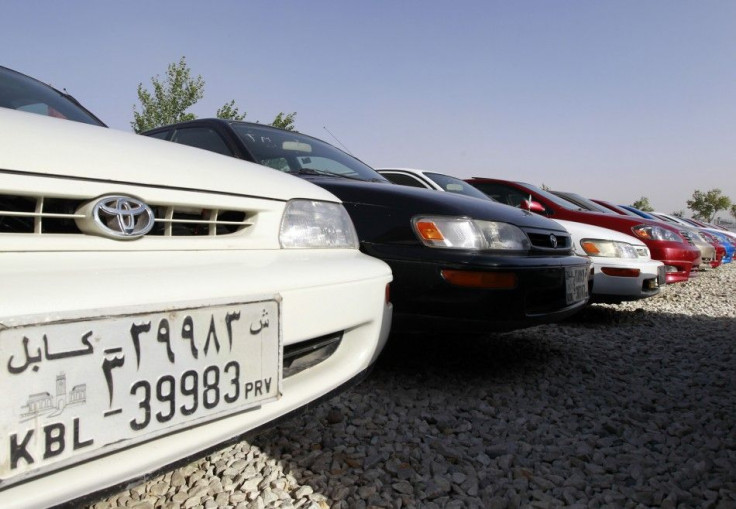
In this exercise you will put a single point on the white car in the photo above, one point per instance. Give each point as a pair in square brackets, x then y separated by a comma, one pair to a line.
[623, 268]
[622, 264]
[159, 301]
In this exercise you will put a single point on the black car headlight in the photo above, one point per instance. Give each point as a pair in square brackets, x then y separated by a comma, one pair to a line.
[466, 233]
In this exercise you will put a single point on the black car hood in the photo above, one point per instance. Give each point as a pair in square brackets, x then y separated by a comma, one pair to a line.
[412, 202]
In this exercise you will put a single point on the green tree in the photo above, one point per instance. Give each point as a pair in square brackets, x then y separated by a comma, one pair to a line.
[733, 210]
[229, 112]
[176, 93]
[172, 97]
[643, 204]
[284, 121]
[707, 205]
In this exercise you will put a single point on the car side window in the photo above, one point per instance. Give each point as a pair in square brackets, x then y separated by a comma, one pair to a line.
[405, 180]
[503, 194]
[161, 136]
[202, 137]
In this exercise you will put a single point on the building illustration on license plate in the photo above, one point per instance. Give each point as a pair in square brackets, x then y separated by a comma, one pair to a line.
[52, 405]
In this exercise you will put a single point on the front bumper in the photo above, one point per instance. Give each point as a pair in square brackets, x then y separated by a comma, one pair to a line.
[322, 292]
[424, 301]
[617, 288]
[679, 259]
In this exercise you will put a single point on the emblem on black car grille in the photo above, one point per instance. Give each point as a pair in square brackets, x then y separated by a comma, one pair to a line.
[121, 217]
[552, 240]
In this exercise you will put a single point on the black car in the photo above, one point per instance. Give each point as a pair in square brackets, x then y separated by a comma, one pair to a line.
[459, 263]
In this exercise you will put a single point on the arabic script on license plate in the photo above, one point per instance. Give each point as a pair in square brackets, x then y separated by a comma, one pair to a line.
[76, 387]
[576, 284]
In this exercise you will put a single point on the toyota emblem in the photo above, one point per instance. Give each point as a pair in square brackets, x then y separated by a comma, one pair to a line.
[121, 217]
[552, 240]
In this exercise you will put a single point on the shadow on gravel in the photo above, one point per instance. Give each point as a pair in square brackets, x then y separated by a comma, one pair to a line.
[611, 405]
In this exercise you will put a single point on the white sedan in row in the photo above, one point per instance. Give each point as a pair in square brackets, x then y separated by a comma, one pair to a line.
[623, 267]
[159, 300]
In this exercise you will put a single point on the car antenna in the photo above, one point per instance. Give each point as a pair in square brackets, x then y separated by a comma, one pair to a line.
[343, 146]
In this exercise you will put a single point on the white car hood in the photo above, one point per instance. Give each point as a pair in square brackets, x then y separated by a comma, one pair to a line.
[37, 144]
[580, 231]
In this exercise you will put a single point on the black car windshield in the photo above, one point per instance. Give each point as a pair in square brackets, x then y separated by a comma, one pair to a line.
[21, 92]
[455, 185]
[292, 152]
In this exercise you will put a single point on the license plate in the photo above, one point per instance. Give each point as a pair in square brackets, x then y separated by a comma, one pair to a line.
[74, 388]
[576, 284]
[661, 275]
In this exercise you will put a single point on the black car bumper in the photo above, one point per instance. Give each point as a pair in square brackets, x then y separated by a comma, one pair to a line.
[424, 300]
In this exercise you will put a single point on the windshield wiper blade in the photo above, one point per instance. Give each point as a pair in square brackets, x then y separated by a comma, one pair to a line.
[324, 173]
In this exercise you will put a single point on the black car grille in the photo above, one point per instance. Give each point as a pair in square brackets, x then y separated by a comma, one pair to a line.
[550, 241]
[46, 215]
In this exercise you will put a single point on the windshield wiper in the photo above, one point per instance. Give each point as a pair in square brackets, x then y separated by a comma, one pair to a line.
[324, 173]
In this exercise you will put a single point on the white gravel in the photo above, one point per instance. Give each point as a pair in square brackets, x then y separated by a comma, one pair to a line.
[630, 405]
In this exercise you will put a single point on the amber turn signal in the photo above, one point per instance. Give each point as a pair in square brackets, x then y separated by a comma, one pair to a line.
[475, 279]
[429, 231]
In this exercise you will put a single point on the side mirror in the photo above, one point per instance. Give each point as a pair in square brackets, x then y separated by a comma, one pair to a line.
[533, 206]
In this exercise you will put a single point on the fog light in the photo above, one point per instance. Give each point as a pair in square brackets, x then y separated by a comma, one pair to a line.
[671, 268]
[614, 271]
[473, 279]
[651, 284]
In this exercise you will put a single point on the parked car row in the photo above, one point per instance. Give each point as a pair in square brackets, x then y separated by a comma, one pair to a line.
[623, 267]
[167, 299]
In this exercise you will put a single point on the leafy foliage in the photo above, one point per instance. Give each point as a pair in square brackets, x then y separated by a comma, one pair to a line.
[170, 99]
[229, 112]
[733, 210]
[643, 204]
[284, 121]
[707, 205]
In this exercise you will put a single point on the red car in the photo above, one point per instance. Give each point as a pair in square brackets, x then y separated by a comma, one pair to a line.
[663, 241]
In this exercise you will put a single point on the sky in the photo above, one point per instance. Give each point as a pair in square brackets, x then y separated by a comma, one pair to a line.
[610, 99]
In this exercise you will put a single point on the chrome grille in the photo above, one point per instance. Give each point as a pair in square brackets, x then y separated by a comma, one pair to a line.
[45, 215]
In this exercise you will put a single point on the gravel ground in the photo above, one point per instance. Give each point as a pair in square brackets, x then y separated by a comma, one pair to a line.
[630, 405]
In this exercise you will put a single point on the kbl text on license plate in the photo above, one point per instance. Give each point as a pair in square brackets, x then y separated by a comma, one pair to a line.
[74, 388]
[576, 284]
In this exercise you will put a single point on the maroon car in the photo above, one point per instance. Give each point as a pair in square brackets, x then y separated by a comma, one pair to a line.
[663, 241]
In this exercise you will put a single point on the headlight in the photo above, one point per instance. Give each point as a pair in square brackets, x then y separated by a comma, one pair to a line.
[608, 248]
[466, 233]
[643, 252]
[649, 232]
[316, 224]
